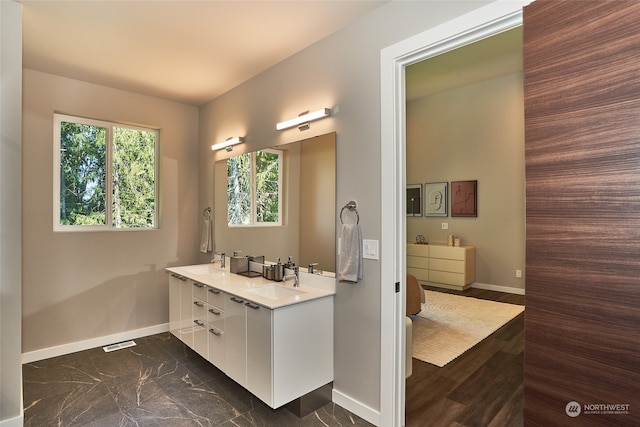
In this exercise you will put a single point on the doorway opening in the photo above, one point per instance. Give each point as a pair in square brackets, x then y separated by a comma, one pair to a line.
[492, 19]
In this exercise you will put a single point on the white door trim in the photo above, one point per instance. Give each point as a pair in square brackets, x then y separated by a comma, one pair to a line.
[494, 18]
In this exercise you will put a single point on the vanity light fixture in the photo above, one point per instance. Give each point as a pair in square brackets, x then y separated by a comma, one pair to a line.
[228, 143]
[302, 121]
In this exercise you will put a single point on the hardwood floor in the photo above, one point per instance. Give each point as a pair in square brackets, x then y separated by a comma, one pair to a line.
[483, 387]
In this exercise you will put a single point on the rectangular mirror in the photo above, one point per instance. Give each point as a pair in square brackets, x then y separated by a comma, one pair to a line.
[308, 208]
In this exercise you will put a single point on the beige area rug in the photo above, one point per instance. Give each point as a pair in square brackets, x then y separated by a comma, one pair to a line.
[449, 325]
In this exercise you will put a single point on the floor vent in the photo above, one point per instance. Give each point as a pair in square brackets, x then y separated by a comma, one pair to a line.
[119, 346]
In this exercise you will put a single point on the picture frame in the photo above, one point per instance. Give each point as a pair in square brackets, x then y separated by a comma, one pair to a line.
[464, 198]
[414, 200]
[435, 199]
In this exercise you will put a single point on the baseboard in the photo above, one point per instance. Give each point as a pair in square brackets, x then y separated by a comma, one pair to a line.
[13, 422]
[355, 407]
[506, 289]
[60, 350]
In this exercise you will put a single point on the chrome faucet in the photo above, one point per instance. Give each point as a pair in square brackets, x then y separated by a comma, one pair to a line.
[295, 276]
[310, 269]
[221, 260]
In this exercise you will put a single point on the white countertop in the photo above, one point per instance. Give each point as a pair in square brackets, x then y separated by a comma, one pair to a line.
[240, 286]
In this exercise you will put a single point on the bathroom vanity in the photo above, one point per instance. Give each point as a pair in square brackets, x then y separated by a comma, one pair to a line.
[274, 339]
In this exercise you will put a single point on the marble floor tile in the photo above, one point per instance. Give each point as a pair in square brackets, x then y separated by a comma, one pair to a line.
[158, 382]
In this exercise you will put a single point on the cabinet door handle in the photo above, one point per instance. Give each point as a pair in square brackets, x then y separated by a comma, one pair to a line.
[198, 285]
[217, 313]
[254, 306]
[214, 291]
[198, 322]
[239, 301]
[214, 332]
[198, 303]
[179, 277]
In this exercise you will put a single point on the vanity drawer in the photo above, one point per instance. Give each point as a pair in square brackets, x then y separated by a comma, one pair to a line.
[199, 308]
[215, 297]
[200, 290]
[215, 317]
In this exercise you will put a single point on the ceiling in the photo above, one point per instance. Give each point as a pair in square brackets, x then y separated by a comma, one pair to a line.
[186, 51]
[486, 59]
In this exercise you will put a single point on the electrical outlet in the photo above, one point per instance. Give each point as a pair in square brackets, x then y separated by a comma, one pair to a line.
[519, 274]
[445, 225]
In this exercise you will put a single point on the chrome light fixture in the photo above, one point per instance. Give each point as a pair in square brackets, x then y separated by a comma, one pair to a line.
[303, 120]
[228, 143]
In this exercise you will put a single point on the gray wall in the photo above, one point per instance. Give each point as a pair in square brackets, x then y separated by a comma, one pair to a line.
[80, 286]
[342, 72]
[475, 133]
[10, 208]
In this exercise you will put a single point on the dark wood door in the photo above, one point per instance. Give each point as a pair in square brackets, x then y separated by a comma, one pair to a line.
[582, 147]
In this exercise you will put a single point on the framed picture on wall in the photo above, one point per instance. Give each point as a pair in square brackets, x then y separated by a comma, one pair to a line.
[464, 198]
[435, 199]
[414, 200]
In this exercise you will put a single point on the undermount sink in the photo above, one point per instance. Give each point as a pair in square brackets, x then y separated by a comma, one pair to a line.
[203, 269]
[274, 292]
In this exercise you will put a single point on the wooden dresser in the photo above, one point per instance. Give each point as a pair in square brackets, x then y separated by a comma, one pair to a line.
[441, 265]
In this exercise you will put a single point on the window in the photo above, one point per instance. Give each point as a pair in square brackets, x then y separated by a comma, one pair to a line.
[104, 175]
[254, 188]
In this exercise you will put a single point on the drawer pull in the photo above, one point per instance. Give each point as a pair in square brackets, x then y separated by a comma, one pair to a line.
[198, 322]
[239, 301]
[212, 311]
[179, 277]
[214, 291]
[198, 303]
[198, 285]
[214, 332]
[254, 306]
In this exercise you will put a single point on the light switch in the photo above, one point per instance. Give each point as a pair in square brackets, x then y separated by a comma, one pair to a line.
[370, 249]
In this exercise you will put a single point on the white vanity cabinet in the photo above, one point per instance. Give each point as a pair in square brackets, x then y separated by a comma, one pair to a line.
[279, 351]
[259, 354]
[216, 326]
[235, 349]
[180, 311]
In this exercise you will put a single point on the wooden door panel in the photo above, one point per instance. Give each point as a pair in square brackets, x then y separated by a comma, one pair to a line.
[582, 148]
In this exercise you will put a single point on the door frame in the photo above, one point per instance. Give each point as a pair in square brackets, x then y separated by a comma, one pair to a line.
[494, 18]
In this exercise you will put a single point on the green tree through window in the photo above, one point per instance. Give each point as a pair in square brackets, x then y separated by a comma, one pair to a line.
[89, 152]
[254, 185]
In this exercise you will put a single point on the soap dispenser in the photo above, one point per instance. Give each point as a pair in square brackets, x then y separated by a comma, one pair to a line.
[290, 264]
[279, 273]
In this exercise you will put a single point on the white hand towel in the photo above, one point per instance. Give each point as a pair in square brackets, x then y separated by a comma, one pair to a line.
[206, 242]
[350, 260]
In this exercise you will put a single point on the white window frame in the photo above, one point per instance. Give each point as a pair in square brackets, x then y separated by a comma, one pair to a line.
[254, 193]
[108, 226]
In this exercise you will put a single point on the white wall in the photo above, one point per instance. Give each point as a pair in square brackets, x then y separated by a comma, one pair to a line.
[341, 72]
[82, 285]
[10, 207]
[475, 132]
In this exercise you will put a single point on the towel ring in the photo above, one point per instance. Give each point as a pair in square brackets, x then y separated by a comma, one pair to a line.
[353, 207]
[206, 213]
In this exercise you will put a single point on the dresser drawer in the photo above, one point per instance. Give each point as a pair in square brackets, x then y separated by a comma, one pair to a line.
[419, 273]
[417, 262]
[418, 250]
[450, 265]
[448, 252]
[447, 277]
